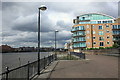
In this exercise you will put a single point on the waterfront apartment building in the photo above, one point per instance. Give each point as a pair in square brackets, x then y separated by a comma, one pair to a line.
[95, 30]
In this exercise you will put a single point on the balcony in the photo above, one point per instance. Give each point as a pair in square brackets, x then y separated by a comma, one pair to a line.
[80, 41]
[75, 30]
[116, 29]
[116, 34]
[84, 20]
[78, 35]
[116, 39]
[79, 47]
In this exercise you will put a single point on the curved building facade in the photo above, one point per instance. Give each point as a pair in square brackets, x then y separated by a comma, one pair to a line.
[95, 30]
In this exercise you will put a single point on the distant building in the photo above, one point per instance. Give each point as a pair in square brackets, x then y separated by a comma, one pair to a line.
[45, 49]
[68, 46]
[6, 48]
[95, 30]
[26, 49]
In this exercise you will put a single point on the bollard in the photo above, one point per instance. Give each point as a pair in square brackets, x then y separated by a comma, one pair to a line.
[7, 72]
[28, 72]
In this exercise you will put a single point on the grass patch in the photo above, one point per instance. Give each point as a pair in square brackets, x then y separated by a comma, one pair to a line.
[68, 57]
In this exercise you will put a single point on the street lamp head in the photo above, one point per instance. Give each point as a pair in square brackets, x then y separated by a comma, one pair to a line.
[56, 31]
[42, 7]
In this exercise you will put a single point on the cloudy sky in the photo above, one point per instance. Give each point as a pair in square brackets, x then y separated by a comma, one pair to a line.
[19, 20]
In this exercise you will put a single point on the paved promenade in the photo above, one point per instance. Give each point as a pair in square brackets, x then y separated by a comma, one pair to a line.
[95, 66]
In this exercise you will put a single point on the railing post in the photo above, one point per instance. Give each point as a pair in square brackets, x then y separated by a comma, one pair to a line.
[52, 58]
[84, 56]
[48, 60]
[44, 62]
[70, 56]
[7, 72]
[55, 56]
[28, 71]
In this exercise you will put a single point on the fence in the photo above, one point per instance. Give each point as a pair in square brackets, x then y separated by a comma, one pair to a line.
[80, 55]
[28, 71]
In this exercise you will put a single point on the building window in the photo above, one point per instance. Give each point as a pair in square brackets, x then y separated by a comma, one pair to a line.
[101, 38]
[93, 26]
[100, 27]
[107, 25]
[108, 42]
[109, 21]
[87, 32]
[116, 26]
[99, 22]
[81, 28]
[93, 37]
[88, 43]
[101, 44]
[100, 32]
[83, 18]
[108, 37]
[107, 31]
[93, 32]
[87, 26]
[88, 37]
[94, 42]
[104, 21]
[116, 32]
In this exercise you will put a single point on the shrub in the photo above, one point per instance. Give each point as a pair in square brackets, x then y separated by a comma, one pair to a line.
[101, 47]
[115, 45]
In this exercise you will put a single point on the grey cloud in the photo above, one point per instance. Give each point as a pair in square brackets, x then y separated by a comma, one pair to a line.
[13, 23]
[5, 34]
[119, 8]
[65, 26]
[109, 8]
[30, 27]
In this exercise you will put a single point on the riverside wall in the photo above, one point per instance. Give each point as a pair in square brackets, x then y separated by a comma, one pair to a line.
[102, 51]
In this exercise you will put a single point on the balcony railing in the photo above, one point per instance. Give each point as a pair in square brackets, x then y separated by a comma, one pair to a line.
[116, 34]
[115, 39]
[77, 35]
[115, 29]
[79, 47]
[79, 41]
[75, 30]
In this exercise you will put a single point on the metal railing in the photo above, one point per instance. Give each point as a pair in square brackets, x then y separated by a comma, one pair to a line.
[28, 71]
[80, 55]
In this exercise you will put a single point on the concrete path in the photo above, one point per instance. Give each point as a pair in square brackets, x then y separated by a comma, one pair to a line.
[96, 66]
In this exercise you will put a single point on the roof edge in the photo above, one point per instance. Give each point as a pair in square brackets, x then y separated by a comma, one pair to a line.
[100, 14]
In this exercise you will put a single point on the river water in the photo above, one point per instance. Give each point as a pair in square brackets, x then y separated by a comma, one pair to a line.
[13, 60]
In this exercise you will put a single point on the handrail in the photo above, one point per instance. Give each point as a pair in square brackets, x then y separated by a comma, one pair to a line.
[27, 68]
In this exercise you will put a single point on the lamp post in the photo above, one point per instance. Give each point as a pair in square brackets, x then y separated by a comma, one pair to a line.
[55, 40]
[43, 8]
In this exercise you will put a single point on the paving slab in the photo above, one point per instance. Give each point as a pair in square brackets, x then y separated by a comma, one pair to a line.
[45, 74]
[95, 66]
